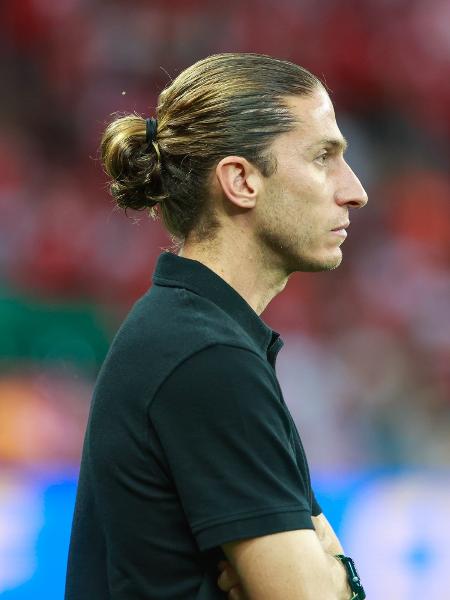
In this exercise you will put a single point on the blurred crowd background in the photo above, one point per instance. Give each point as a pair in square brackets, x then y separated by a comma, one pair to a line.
[366, 362]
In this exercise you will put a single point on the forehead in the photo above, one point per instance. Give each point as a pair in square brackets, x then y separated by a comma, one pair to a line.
[316, 120]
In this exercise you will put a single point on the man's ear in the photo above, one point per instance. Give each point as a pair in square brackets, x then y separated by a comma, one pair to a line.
[240, 181]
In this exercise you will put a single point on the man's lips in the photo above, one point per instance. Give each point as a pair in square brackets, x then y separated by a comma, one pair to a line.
[341, 230]
[340, 227]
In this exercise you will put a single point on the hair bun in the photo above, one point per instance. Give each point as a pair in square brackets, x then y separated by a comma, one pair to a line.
[134, 170]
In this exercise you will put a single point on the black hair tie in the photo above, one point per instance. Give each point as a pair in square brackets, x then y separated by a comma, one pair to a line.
[151, 124]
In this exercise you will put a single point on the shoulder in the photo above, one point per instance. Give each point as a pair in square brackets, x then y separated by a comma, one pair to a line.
[178, 316]
[173, 339]
[217, 378]
[228, 364]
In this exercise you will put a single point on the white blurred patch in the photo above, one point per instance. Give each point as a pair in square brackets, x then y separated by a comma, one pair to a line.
[397, 530]
[21, 519]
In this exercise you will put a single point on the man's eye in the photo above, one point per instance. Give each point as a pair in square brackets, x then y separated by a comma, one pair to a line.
[323, 157]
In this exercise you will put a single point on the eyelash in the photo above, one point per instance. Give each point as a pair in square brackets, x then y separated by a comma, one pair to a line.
[324, 156]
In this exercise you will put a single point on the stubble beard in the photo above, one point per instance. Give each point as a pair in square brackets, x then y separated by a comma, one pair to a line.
[291, 253]
[315, 266]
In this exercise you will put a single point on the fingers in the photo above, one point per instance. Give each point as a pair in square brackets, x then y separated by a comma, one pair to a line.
[237, 593]
[227, 579]
[228, 582]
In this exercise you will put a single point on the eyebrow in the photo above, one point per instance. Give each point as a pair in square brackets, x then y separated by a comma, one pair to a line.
[335, 143]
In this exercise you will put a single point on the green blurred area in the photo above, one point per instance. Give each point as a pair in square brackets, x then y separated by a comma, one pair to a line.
[53, 332]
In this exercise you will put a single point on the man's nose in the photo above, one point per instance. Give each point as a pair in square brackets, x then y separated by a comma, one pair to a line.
[351, 192]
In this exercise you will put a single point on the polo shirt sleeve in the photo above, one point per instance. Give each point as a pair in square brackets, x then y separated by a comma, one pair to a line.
[316, 508]
[226, 437]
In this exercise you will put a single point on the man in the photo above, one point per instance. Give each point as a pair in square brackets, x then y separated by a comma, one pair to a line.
[191, 458]
[298, 177]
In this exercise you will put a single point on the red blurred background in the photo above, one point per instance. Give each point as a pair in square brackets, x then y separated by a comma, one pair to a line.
[367, 347]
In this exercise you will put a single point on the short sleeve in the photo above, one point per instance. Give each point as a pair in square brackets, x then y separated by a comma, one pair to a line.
[316, 508]
[226, 436]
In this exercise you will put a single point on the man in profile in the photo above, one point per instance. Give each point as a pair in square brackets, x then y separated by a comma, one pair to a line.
[191, 457]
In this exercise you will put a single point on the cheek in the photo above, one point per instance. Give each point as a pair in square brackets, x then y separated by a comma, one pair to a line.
[296, 202]
[308, 190]
[306, 217]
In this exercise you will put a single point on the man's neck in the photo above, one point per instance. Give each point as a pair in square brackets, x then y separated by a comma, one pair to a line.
[242, 266]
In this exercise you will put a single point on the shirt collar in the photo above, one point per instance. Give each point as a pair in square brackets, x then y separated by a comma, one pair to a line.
[177, 271]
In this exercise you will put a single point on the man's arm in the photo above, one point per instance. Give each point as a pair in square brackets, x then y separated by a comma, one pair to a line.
[229, 579]
[291, 565]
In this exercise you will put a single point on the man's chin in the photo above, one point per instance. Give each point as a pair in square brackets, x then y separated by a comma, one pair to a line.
[315, 265]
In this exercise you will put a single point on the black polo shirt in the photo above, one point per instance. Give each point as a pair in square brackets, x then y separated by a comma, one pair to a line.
[189, 445]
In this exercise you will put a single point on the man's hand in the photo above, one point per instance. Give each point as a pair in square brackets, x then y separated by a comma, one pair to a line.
[325, 533]
[228, 580]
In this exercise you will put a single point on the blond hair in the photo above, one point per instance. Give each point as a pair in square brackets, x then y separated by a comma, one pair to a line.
[225, 104]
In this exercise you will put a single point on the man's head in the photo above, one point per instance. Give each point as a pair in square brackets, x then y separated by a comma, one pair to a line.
[236, 137]
[299, 212]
